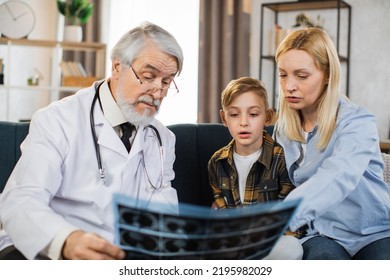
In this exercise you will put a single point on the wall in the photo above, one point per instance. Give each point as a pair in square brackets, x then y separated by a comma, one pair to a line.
[169, 14]
[370, 59]
[369, 56]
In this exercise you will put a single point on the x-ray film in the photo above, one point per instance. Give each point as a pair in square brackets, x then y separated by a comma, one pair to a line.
[198, 232]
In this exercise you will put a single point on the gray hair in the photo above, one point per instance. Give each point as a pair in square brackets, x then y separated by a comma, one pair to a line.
[134, 41]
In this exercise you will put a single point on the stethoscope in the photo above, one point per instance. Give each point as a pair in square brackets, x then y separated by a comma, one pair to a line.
[101, 169]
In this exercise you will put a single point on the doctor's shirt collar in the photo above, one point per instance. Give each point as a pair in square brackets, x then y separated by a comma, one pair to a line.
[111, 110]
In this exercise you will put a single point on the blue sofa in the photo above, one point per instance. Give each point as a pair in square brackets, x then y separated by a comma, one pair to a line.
[195, 143]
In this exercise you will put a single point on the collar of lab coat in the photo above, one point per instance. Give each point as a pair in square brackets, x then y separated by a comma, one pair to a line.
[108, 138]
[112, 117]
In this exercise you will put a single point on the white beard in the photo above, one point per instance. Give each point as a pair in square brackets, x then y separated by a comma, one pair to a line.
[130, 113]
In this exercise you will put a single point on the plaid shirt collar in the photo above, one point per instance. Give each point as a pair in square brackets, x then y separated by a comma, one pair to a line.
[265, 157]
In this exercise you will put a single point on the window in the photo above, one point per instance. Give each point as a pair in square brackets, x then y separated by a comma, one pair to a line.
[181, 19]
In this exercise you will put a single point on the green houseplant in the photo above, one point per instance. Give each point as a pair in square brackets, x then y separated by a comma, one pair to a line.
[75, 11]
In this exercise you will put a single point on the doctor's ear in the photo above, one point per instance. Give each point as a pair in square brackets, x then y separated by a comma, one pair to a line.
[115, 68]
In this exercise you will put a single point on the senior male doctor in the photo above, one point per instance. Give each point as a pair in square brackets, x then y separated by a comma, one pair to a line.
[57, 203]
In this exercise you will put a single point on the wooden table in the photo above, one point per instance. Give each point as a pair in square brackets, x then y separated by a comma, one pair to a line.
[385, 145]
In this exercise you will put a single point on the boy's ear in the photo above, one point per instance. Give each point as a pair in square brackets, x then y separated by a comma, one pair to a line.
[222, 115]
[270, 117]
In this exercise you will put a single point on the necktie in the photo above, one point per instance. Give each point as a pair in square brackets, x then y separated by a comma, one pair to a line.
[127, 130]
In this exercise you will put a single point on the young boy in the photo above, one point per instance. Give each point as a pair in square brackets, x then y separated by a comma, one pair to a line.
[251, 168]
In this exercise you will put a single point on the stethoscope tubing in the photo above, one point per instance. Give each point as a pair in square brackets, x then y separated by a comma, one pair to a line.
[95, 140]
[94, 137]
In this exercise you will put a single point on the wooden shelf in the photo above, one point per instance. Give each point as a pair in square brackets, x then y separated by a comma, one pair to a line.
[385, 145]
[300, 6]
[52, 44]
[27, 42]
[271, 57]
[54, 80]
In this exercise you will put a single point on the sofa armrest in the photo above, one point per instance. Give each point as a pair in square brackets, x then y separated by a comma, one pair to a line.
[12, 135]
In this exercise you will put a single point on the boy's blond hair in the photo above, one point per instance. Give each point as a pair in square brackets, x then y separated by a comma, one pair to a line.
[240, 86]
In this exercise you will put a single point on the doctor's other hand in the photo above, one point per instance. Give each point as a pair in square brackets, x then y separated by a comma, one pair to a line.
[82, 245]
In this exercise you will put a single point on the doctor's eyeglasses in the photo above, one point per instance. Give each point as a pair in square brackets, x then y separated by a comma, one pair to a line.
[167, 87]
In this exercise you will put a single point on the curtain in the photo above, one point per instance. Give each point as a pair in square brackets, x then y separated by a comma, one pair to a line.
[224, 39]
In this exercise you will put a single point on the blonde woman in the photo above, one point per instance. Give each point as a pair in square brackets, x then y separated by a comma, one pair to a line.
[332, 154]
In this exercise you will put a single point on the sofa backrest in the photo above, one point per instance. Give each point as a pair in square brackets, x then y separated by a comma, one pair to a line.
[195, 144]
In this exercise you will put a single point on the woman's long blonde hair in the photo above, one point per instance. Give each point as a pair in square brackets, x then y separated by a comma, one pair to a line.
[317, 43]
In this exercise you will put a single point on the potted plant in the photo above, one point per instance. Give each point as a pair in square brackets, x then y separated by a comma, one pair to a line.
[302, 20]
[76, 12]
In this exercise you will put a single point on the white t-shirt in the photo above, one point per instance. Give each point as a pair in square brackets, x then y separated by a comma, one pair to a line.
[244, 165]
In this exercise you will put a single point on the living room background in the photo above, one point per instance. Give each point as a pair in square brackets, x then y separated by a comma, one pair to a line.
[369, 58]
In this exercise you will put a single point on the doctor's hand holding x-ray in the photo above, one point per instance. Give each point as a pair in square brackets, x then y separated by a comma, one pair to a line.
[57, 203]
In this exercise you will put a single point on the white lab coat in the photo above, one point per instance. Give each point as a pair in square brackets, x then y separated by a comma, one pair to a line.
[56, 185]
